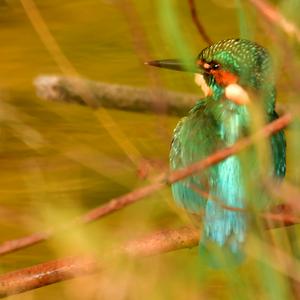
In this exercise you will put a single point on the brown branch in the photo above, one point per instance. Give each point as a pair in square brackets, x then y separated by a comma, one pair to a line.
[162, 180]
[162, 242]
[24, 242]
[275, 17]
[44, 274]
[63, 89]
[66, 268]
[71, 267]
[197, 22]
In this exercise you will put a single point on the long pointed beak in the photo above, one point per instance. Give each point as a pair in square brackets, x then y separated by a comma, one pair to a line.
[175, 64]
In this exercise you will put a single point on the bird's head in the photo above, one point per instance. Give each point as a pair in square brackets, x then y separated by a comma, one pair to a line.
[233, 68]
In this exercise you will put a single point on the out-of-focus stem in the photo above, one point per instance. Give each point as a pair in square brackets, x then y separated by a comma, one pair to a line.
[63, 89]
[275, 17]
[197, 22]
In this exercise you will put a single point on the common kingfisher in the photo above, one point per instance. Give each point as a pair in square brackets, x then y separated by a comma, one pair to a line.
[233, 74]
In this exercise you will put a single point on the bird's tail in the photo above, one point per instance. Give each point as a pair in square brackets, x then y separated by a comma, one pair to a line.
[225, 221]
[223, 236]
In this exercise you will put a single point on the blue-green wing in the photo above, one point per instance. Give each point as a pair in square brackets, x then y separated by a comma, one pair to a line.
[278, 145]
[192, 141]
[196, 137]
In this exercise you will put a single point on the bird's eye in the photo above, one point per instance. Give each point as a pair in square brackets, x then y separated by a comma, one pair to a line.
[215, 66]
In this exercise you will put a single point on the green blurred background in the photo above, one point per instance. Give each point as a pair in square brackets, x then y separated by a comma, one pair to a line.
[57, 161]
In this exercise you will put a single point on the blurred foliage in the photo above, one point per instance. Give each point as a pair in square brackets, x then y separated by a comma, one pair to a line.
[57, 161]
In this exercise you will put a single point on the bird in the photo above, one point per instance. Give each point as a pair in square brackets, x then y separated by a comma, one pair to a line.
[234, 74]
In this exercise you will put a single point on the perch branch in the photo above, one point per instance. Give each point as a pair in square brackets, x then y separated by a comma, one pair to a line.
[24, 242]
[63, 89]
[161, 181]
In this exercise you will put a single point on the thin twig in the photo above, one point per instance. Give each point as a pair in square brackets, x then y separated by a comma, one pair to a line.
[279, 216]
[24, 242]
[161, 181]
[273, 15]
[197, 22]
[216, 199]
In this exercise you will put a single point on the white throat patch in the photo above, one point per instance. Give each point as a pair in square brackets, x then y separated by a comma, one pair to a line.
[200, 81]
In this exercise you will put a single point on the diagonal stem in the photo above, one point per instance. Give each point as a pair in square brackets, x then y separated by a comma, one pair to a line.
[162, 180]
[197, 22]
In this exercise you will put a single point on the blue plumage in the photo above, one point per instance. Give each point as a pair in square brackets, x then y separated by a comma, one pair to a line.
[236, 74]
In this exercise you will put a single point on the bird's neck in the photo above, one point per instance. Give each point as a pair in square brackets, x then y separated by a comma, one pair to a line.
[264, 95]
[234, 120]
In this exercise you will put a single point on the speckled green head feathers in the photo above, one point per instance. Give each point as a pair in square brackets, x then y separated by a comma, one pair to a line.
[246, 59]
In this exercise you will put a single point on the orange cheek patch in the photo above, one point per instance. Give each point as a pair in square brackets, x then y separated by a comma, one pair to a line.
[224, 78]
